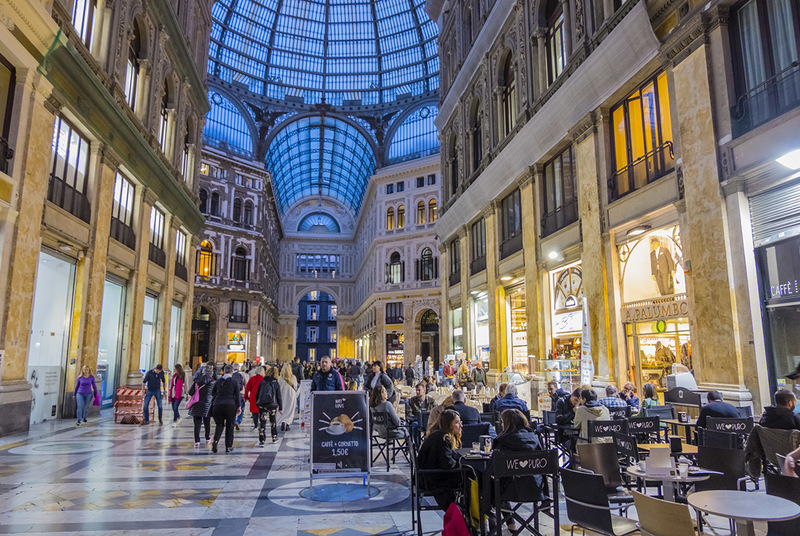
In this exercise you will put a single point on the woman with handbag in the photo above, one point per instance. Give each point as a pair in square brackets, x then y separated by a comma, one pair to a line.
[85, 391]
[175, 395]
[199, 403]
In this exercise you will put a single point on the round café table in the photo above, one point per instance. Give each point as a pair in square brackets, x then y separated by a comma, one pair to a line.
[744, 507]
[671, 483]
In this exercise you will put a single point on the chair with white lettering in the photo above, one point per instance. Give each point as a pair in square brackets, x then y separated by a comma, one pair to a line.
[741, 428]
[519, 478]
[389, 442]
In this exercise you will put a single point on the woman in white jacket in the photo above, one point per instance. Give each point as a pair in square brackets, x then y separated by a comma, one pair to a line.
[288, 385]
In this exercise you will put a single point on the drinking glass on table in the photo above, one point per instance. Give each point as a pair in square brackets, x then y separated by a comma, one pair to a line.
[683, 470]
[476, 446]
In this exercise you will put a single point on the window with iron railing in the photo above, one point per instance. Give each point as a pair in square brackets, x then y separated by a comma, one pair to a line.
[394, 313]
[207, 263]
[395, 269]
[427, 266]
[180, 255]
[641, 138]
[766, 63]
[157, 254]
[455, 261]
[239, 312]
[559, 195]
[122, 212]
[69, 169]
[510, 224]
[8, 80]
[478, 243]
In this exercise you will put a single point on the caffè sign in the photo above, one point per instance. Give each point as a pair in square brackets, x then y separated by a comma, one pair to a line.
[664, 308]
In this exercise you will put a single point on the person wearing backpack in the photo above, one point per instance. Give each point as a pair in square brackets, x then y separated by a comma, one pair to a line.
[268, 400]
[250, 392]
[241, 379]
[200, 411]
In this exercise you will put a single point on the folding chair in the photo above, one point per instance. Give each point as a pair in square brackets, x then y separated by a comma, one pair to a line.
[620, 413]
[471, 432]
[514, 476]
[420, 490]
[600, 429]
[662, 412]
[645, 429]
[386, 445]
[588, 507]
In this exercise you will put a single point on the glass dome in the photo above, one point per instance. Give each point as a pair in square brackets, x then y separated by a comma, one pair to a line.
[340, 51]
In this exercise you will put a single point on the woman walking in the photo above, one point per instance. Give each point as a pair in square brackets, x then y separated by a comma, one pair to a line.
[250, 391]
[85, 392]
[288, 385]
[201, 410]
[226, 406]
[175, 395]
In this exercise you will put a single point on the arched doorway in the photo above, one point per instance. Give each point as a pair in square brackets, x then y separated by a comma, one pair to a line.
[203, 332]
[316, 326]
[429, 336]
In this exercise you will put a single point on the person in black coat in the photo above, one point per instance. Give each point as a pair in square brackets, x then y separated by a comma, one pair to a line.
[781, 416]
[716, 408]
[565, 408]
[268, 400]
[438, 451]
[469, 415]
[379, 377]
[200, 411]
[225, 408]
[409, 375]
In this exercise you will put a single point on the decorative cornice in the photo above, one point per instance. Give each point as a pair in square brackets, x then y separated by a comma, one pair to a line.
[525, 178]
[110, 158]
[584, 128]
[684, 41]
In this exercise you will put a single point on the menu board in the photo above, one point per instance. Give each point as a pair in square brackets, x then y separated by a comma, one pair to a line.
[339, 432]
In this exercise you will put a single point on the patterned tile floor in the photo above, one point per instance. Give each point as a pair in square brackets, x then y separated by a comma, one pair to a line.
[113, 479]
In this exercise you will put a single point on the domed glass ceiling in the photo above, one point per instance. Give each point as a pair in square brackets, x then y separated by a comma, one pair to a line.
[370, 51]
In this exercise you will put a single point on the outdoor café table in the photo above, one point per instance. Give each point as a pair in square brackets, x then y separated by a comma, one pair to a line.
[672, 483]
[744, 507]
[690, 450]
[687, 426]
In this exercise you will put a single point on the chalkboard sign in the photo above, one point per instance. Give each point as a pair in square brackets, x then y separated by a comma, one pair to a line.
[339, 432]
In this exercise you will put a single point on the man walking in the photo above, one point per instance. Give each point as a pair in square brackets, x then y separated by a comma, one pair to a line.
[409, 375]
[152, 386]
[241, 381]
[327, 378]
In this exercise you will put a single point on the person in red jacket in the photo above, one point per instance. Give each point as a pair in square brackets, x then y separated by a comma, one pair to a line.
[250, 391]
[176, 392]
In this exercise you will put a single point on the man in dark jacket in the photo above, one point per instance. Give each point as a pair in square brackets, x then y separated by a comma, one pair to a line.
[716, 408]
[556, 393]
[511, 401]
[781, 416]
[356, 373]
[152, 384]
[378, 377]
[409, 375]
[469, 415]
[225, 407]
[268, 400]
[565, 408]
[297, 370]
[327, 378]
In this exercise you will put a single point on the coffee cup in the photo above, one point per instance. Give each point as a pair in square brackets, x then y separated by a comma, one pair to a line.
[486, 443]
[642, 466]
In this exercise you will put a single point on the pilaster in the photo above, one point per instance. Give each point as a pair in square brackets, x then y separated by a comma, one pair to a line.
[496, 294]
[138, 286]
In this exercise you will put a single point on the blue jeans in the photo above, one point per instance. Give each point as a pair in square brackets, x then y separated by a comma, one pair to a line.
[84, 402]
[241, 414]
[147, 396]
[176, 405]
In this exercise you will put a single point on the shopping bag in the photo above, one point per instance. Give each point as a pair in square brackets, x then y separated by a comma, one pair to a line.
[454, 524]
[474, 504]
[96, 401]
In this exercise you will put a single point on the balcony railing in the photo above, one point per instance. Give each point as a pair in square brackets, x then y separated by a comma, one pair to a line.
[238, 319]
[6, 154]
[180, 271]
[560, 218]
[67, 197]
[477, 265]
[767, 100]
[454, 279]
[511, 245]
[642, 171]
[123, 233]
[157, 255]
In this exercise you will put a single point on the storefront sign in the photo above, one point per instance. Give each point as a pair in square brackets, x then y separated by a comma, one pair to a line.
[780, 271]
[519, 338]
[339, 432]
[567, 322]
[675, 306]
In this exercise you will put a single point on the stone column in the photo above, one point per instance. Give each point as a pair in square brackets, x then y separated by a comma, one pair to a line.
[541, 52]
[31, 190]
[444, 310]
[192, 242]
[142, 86]
[568, 27]
[717, 341]
[287, 325]
[608, 10]
[466, 314]
[533, 309]
[138, 285]
[497, 345]
[411, 336]
[593, 258]
[221, 336]
[380, 332]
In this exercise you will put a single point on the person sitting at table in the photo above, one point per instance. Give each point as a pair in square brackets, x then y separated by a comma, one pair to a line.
[628, 394]
[611, 400]
[716, 408]
[378, 402]
[464, 378]
[790, 465]
[469, 415]
[650, 398]
[781, 416]
[421, 401]
[565, 408]
[436, 413]
[590, 410]
[438, 451]
[511, 400]
[501, 392]
[556, 393]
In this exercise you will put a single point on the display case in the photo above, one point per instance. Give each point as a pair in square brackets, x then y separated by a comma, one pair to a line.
[567, 372]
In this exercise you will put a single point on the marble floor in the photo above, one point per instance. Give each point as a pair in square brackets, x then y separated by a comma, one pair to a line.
[114, 479]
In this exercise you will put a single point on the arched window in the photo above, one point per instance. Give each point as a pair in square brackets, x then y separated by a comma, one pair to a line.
[206, 260]
[214, 203]
[401, 216]
[390, 219]
[237, 210]
[453, 152]
[427, 266]
[467, 30]
[203, 201]
[241, 265]
[132, 67]
[395, 269]
[421, 213]
[509, 96]
[185, 152]
[433, 211]
[163, 118]
[248, 213]
[556, 40]
[477, 136]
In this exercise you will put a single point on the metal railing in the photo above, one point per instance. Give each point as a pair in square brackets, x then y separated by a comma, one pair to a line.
[564, 215]
[157, 255]
[642, 171]
[477, 265]
[767, 100]
[67, 197]
[181, 271]
[123, 233]
[454, 279]
[511, 245]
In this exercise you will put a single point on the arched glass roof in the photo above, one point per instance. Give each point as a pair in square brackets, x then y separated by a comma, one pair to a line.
[416, 136]
[319, 222]
[320, 156]
[225, 126]
[339, 50]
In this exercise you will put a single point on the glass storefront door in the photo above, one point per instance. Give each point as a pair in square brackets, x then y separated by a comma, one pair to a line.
[176, 330]
[457, 334]
[147, 352]
[109, 347]
[653, 347]
[518, 330]
[480, 309]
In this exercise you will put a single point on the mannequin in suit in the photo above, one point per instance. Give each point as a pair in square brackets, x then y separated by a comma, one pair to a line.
[662, 267]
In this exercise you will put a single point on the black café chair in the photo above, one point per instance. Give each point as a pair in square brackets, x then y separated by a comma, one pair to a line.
[728, 462]
[487, 407]
[620, 413]
[645, 429]
[740, 427]
[628, 455]
[603, 429]
[723, 440]
[386, 445]
[513, 475]
[471, 432]
[601, 459]
[787, 488]
[662, 412]
[588, 506]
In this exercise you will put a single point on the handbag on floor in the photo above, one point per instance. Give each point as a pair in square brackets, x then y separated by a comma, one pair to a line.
[454, 524]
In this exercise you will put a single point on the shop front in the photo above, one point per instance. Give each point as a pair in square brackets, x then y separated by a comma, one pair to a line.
[480, 327]
[394, 348]
[567, 312]
[655, 309]
[109, 345]
[517, 330]
[456, 331]
[237, 347]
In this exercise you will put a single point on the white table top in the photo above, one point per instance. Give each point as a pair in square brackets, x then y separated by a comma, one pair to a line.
[744, 505]
[635, 471]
